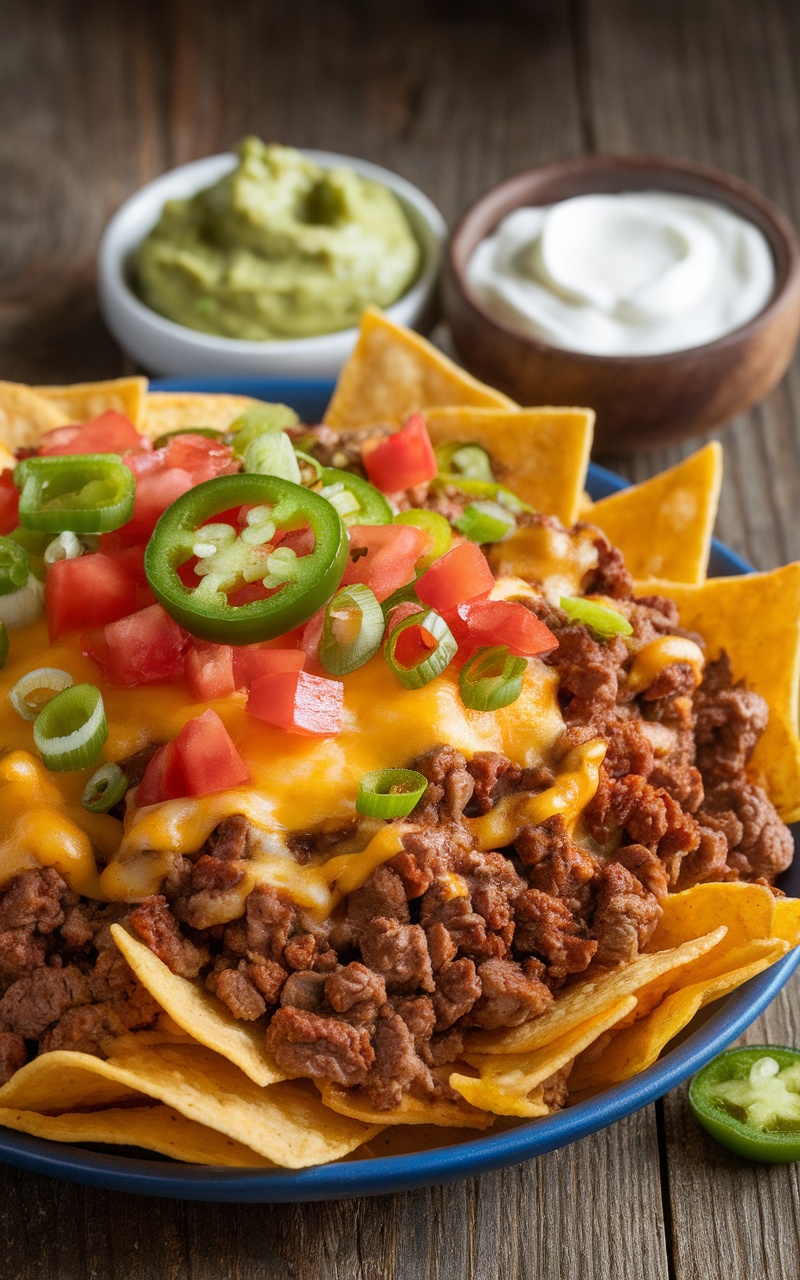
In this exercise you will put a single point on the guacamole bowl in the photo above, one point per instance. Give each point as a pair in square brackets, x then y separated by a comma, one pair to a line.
[163, 346]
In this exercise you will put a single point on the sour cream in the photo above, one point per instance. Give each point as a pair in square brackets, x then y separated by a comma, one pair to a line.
[637, 273]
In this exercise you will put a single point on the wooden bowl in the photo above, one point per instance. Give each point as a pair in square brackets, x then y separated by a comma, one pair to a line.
[640, 400]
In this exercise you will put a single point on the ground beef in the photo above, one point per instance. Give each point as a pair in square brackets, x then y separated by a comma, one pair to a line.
[398, 1067]
[340, 449]
[730, 720]
[625, 915]
[557, 865]
[158, 928]
[305, 1044]
[12, 1054]
[508, 995]
[495, 776]
[356, 991]
[546, 926]
[35, 1001]
[588, 674]
[236, 990]
[611, 577]
[457, 988]
[399, 952]
[759, 843]
[34, 901]
[449, 789]
[269, 921]
[644, 814]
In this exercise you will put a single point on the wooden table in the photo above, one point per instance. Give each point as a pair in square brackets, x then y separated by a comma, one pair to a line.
[96, 98]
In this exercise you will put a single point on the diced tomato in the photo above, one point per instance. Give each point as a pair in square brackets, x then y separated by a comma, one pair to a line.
[143, 464]
[129, 559]
[111, 432]
[87, 591]
[462, 574]
[298, 702]
[9, 502]
[154, 493]
[310, 641]
[203, 458]
[208, 756]
[145, 648]
[490, 622]
[209, 671]
[383, 556]
[163, 778]
[402, 460]
[300, 541]
[414, 645]
[251, 663]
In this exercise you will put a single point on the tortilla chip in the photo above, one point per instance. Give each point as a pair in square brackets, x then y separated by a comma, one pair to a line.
[755, 619]
[542, 454]
[746, 909]
[24, 416]
[637, 1047]
[155, 1128]
[86, 400]
[663, 527]
[286, 1123]
[181, 410]
[786, 923]
[393, 372]
[199, 1013]
[510, 1084]
[442, 1112]
[592, 996]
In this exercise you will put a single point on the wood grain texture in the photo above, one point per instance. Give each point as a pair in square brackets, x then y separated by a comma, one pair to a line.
[98, 96]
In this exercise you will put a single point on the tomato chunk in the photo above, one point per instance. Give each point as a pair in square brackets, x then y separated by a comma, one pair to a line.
[154, 493]
[491, 622]
[144, 648]
[202, 458]
[202, 759]
[298, 702]
[163, 778]
[111, 432]
[403, 459]
[462, 574]
[9, 502]
[383, 556]
[250, 664]
[89, 590]
[209, 671]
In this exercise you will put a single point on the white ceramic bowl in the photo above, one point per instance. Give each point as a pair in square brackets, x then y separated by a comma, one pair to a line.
[165, 347]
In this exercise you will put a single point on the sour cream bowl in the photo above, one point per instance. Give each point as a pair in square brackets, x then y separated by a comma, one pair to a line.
[162, 346]
[640, 399]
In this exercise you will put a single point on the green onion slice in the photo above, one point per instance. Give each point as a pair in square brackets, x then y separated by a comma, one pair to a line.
[403, 595]
[491, 679]
[465, 461]
[22, 607]
[3, 645]
[210, 433]
[271, 454]
[486, 522]
[352, 630]
[259, 420]
[310, 469]
[44, 680]
[82, 493]
[13, 567]
[435, 526]
[65, 546]
[436, 638]
[390, 793]
[34, 545]
[483, 490]
[71, 730]
[604, 622]
[104, 789]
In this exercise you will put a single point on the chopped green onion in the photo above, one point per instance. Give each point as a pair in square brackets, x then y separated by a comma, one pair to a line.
[482, 489]
[34, 545]
[604, 622]
[259, 420]
[21, 608]
[437, 528]
[390, 793]
[356, 500]
[104, 789]
[13, 567]
[3, 645]
[352, 630]
[310, 469]
[435, 636]
[491, 679]
[210, 432]
[466, 461]
[485, 522]
[50, 680]
[403, 595]
[65, 546]
[83, 493]
[271, 454]
[71, 730]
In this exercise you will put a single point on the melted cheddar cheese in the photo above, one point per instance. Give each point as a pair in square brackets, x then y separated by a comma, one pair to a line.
[658, 654]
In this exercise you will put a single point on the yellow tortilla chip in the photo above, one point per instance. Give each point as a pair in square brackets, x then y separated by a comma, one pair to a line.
[441, 1112]
[755, 619]
[198, 1013]
[746, 909]
[286, 1123]
[638, 1046]
[181, 410]
[86, 400]
[663, 527]
[510, 1084]
[786, 923]
[542, 454]
[592, 996]
[155, 1128]
[24, 416]
[393, 372]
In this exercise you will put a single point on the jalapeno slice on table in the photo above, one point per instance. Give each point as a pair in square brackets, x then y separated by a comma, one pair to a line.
[228, 558]
[749, 1100]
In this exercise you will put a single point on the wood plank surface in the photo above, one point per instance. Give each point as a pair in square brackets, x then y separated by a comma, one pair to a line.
[96, 98]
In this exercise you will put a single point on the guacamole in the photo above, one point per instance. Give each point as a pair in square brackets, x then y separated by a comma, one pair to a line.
[279, 248]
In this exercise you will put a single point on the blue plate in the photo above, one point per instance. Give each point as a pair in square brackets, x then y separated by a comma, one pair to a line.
[149, 1176]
